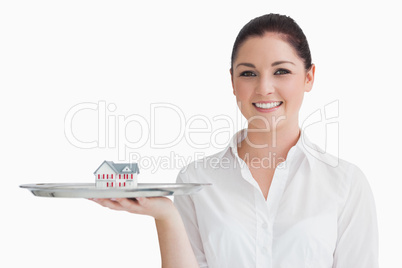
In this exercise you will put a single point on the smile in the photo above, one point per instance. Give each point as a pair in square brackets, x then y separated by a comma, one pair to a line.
[267, 105]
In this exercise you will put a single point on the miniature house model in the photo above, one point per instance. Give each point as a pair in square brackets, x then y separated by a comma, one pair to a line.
[110, 174]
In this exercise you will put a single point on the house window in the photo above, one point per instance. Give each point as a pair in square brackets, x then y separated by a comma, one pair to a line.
[119, 184]
[124, 184]
[103, 176]
[112, 184]
[119, 176]
[98, 176]
[107, 184]
[131, 176]
[112, 176]
[107, 176]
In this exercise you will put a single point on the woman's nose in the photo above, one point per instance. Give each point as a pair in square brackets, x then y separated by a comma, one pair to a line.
[265, 86]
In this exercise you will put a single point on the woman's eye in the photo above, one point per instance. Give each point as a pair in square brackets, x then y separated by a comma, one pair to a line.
[281, 71]
[247, 73]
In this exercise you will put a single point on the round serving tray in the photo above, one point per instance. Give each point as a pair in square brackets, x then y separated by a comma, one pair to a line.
[89, 190]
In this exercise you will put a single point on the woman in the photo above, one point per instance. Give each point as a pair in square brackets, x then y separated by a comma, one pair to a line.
[273, 203]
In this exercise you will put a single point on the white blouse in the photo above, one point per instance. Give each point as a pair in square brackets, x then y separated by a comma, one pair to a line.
[320, 212]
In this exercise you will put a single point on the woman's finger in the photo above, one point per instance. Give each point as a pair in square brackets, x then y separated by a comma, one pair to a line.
[108, 203]
[130, 205]
[141, 201]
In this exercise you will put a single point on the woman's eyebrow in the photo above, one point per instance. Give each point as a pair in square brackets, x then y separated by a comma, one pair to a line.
[273, 64]
[246, 64]
[281, 62]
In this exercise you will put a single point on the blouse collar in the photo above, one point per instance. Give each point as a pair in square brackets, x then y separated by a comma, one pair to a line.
[241, 135]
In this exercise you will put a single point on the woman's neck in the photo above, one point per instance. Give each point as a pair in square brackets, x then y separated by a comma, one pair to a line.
[277, 142]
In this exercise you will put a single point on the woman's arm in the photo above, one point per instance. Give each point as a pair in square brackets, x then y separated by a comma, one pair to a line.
[176, 251]
[174, 244]
[357, 244]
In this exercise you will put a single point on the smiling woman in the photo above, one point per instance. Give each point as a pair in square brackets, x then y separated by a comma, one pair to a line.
[294, 210]
[298, 211]
[269, 80]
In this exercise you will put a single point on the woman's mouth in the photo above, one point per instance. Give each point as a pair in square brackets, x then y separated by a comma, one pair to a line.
[267, 105]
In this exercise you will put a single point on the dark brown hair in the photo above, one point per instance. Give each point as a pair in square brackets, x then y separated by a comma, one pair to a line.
[275, 23]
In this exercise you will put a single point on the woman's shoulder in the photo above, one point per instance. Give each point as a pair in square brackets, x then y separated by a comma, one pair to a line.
[343, 173]
[323, 160]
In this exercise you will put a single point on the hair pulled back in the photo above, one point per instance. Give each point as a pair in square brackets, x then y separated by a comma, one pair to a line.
[275, 23]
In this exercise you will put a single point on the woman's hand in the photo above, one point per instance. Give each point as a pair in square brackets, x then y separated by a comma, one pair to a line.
[158, 207]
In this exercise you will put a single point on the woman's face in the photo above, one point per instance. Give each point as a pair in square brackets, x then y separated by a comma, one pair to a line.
[269, 81]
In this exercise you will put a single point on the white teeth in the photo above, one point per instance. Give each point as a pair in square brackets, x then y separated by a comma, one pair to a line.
[267, 105]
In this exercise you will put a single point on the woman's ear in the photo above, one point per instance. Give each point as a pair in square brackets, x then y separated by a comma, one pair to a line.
[309, 79]
[231, 77]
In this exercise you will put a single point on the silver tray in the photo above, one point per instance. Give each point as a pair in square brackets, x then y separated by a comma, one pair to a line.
[89, 190]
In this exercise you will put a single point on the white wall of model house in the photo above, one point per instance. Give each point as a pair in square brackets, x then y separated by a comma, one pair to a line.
[106, 177]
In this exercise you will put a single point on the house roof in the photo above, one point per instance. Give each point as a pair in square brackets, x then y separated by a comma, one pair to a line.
[119, 167]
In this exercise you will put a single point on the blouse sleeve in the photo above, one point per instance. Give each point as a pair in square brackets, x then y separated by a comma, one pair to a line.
[185, 206]
[357, 243]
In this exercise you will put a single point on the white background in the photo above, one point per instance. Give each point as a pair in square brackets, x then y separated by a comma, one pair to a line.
[57, 54]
